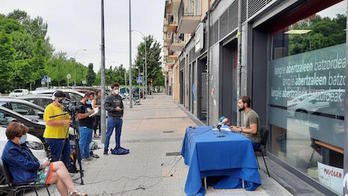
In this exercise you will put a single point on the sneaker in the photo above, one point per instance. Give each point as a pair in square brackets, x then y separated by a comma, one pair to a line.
[125, 149]
[106, 152]
[119, 151]
[89, 159]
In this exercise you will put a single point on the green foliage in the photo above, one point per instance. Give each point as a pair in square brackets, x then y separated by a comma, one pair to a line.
[113, 75]
[90, 75]
[154, 70]
[324, 32]
[6, 57]
[26, 54]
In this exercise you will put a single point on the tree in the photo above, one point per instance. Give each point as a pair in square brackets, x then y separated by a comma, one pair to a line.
[90, 75]
[154, 70]
[19, 15]
[6, 57]
[26, 54]
[324, 32]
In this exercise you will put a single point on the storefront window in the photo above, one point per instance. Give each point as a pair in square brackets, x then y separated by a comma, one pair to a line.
[306, 95]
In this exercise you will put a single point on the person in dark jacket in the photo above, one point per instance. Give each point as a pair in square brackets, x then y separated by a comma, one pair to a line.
[114, 106]
[24, 167]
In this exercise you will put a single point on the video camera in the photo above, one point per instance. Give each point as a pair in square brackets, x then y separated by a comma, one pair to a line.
[70, 106]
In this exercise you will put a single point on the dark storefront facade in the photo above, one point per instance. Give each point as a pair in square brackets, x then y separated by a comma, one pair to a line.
[305, 47]
[292, 65]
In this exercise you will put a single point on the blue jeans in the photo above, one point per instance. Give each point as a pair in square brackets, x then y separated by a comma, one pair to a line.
[56, 146]
[85, 140]
[113, 123]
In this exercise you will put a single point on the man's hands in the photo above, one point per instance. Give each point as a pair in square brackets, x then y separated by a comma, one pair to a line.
[59, 123]
[236, 128]
[118, 108]
[66, 122]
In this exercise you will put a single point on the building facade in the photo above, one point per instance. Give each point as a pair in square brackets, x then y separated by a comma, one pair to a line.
[289, 57]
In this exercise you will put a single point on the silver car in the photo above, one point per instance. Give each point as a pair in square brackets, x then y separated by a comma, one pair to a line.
[34, 144]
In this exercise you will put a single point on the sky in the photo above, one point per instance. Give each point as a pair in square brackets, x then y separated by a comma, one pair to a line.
[74, 26]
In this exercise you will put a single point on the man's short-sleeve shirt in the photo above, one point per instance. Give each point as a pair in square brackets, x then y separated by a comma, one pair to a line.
[56, 132]
[252, 118]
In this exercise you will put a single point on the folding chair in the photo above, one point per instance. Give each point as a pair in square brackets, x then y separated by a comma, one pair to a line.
[12, 189]
[262, 149]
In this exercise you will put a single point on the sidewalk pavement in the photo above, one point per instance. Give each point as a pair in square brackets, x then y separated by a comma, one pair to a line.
[153, 131]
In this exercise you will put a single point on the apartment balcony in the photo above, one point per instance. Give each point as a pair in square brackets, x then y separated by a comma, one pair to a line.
[165, 51]
[165, 25]
[170, 62]
[165, 37]
[172, 58]
[189, 18]
[171, 24]
[176, 3]
[178, 46]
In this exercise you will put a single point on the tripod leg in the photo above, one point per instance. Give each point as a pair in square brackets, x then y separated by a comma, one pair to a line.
[78, 156]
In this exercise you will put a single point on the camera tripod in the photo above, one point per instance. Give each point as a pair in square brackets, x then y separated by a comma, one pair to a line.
[76, 139]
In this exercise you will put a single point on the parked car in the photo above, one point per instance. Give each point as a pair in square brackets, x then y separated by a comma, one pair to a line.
[40, 100]
[84, 89]
[313, 102]
[72, 94]
[18, 92]
[23, 107]
[36, 127]
[34, 144]
[124, 92]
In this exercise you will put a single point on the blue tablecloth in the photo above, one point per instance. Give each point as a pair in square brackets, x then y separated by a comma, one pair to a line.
[231, 157]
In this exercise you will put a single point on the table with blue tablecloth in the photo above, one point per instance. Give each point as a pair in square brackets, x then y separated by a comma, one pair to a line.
[230, 157]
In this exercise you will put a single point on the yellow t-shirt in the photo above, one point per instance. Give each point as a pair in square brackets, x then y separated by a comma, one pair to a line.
[55, 132]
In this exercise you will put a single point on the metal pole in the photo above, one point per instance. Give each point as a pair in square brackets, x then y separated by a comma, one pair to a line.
[103, 112]
[75, 72]
[125, 78]
[239, 65]
[145, 68]
[130, 56]
[208, 64]
[138, 85]
[143, 80]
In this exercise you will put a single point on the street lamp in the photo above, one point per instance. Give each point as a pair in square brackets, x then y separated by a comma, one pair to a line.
[130, 56]
[83, 49]
[144, 68]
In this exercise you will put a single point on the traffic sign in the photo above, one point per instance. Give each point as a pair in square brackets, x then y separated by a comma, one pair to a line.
[68, 76]
[44, 79]
[139, 80]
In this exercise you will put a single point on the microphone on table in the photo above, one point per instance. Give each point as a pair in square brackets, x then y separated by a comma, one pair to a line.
[218, 126]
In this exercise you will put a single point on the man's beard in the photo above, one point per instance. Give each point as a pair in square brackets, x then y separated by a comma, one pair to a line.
[241, 109]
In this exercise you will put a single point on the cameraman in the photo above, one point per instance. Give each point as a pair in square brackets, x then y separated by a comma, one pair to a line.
[56, 130]
[86, 122]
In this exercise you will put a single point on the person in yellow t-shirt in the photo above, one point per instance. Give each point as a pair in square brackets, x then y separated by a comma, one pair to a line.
[57, 128]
